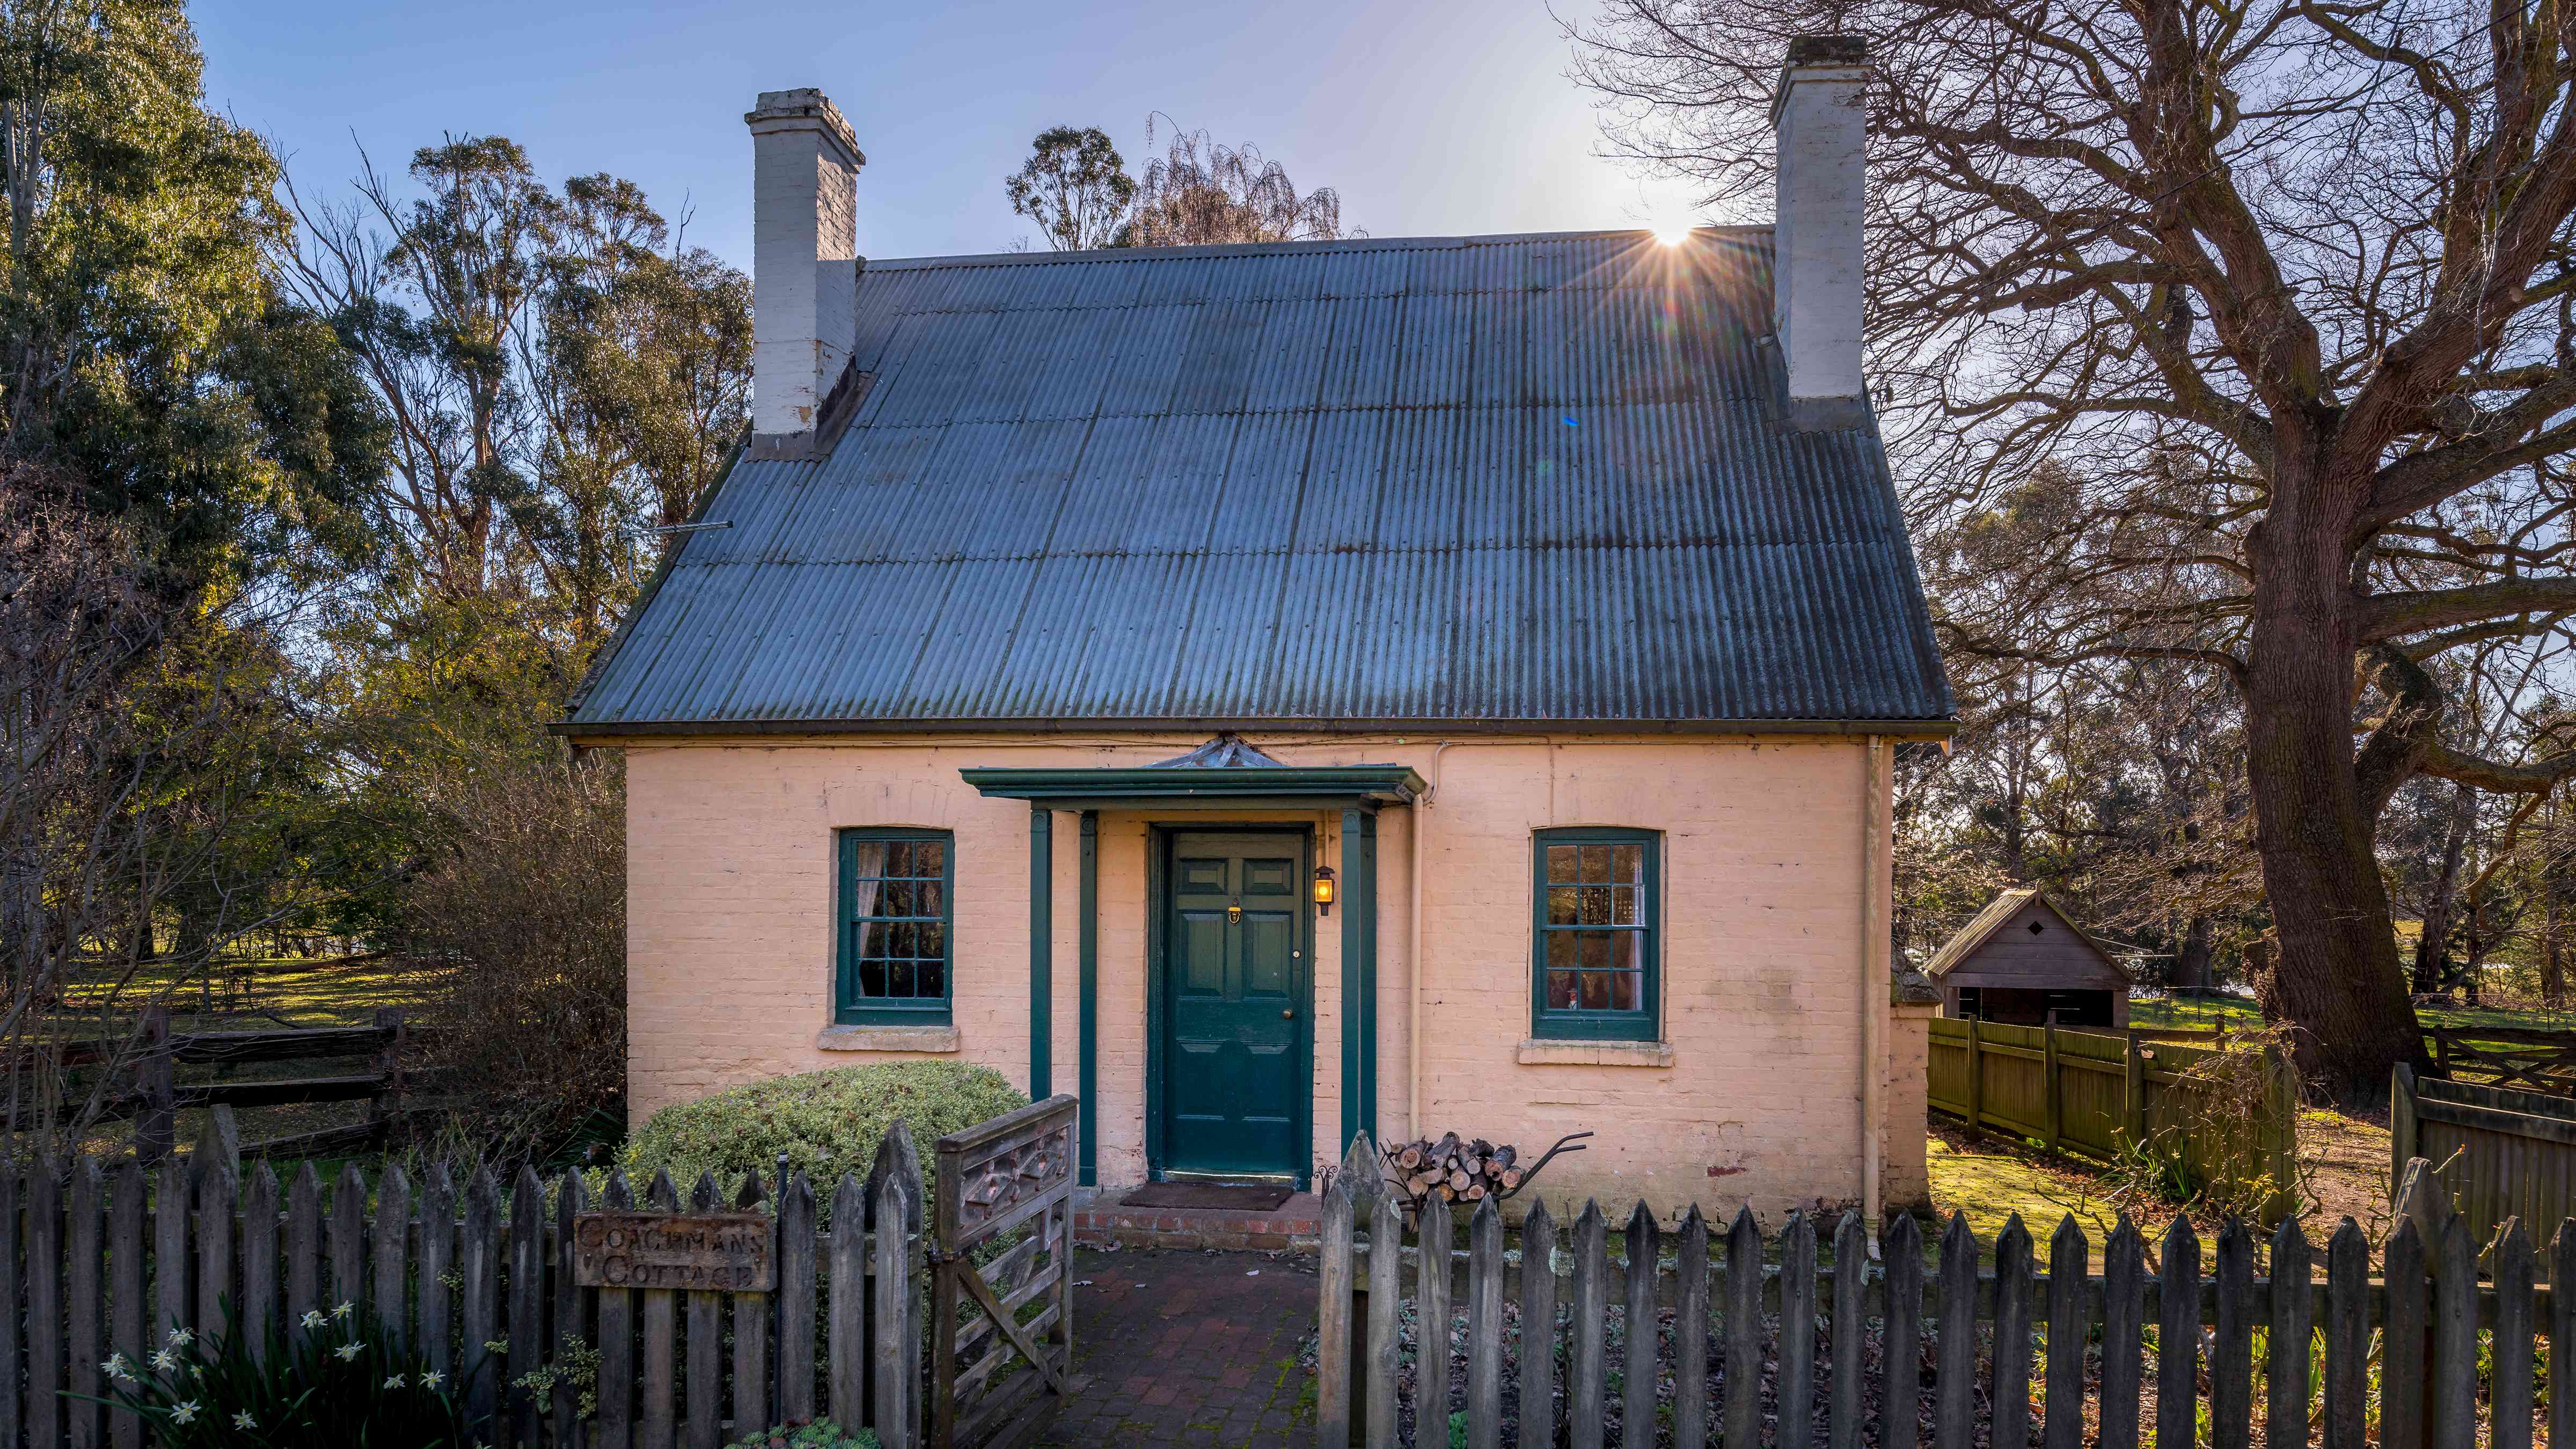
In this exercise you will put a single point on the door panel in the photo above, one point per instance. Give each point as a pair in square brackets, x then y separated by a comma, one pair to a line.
[1236, 1030]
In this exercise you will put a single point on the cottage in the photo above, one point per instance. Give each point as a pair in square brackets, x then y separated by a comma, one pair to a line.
[1394, 685]
[2021, 960]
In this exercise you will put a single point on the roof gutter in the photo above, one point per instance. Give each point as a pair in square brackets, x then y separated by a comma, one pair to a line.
[588, 733]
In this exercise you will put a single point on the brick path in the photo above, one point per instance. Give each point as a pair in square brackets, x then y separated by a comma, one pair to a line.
[1187, 1347]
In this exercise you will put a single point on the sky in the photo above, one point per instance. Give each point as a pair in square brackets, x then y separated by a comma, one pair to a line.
[1430, 117]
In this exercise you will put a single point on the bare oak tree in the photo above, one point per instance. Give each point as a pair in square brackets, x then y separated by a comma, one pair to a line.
[2288, 284]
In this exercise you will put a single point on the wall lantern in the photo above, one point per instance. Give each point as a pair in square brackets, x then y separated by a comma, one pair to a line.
[1323, 890]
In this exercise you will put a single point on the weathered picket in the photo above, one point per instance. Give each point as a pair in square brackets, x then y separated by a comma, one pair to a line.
[475, 1276]
[2004, 1335]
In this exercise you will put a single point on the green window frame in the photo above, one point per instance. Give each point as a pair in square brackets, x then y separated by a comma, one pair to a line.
[1595, 957]
[895, 950]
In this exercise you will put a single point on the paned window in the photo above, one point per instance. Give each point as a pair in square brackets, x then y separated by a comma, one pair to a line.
[1593, 962]
[894, 956]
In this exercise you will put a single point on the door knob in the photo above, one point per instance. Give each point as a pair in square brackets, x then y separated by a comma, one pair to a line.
[1287, 1015]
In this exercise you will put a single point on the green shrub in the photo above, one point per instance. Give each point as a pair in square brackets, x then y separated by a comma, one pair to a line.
[828, 1123]
[326, 1383]
[819, 1434]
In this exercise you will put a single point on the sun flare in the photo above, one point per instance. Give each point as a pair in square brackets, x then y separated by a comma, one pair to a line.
[1672, 233]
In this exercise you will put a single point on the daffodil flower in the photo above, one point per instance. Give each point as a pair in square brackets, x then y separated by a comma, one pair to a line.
[183, 1413]
[432, 1379]
[313, 1318]
[348, 1352]
[115, 1367]
[244, 1421]
[182, 1337]
[164, 1361]
[343, 1310]
[395, 1382]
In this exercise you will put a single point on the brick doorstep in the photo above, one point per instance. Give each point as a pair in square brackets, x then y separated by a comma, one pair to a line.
[1295, 1224]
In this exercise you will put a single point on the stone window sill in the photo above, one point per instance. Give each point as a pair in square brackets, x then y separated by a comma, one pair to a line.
[888, 1039]
[1535, 1052]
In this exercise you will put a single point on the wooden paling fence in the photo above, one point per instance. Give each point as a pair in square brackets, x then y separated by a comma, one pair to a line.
[146, 1086]
[95, 1262]
[1844, 1341]
[2098, 1096]
[2528, 1059]
[2512, 1057]
[2499, 1154]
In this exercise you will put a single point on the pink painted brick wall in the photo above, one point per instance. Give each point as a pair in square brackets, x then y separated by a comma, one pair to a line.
[1905, 1174]
[730, 942]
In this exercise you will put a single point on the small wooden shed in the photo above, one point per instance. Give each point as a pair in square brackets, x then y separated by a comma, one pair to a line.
[2021, 959]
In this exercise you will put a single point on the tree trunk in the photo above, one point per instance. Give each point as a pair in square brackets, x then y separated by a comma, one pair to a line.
[2553, 920]
[143, 944]
[2191, 961]
[2262, 960]
[2339, 984]
[2474, 968]
[2433, 941]
[2553, 965]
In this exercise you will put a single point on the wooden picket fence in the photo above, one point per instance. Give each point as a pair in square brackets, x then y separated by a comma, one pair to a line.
[2099, 1095]
[1863, 1323]
[95, 1261]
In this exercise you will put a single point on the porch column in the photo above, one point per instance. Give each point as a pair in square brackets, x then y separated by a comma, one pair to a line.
[1041, 949]
[1359, 975]
[1089, 926]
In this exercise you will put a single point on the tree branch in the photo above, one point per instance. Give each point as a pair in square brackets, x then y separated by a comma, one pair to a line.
[2387, 616]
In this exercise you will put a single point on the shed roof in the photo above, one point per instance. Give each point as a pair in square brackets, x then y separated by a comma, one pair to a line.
[1495, 481]
[1973, 936]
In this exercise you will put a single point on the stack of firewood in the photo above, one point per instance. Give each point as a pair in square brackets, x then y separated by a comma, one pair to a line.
[1455, 1171]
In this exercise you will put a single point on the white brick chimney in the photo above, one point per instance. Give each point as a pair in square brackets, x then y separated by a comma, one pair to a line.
[1816, 237]
[804, 265]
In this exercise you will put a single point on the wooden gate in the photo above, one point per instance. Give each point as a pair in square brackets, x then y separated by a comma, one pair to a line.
[2499, 1154]
[1000, 1371]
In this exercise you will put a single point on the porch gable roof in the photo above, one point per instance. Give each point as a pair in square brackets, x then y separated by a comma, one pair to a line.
[1196, 787]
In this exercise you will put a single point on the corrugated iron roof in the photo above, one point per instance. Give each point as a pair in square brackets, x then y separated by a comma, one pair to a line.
[1473, 480]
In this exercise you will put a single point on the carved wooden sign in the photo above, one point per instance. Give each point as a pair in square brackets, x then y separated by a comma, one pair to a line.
[1014, 1175]
[997, 1173]
[726, 1252]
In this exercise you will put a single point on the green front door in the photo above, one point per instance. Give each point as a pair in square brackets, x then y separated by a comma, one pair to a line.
[1236, 1023]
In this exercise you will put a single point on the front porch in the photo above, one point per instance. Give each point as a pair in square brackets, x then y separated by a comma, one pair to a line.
[1245, 861]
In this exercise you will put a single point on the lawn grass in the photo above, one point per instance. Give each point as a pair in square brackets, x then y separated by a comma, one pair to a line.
[280, 991]
[2177, 1013]
[2203, 1012]
[277, 992]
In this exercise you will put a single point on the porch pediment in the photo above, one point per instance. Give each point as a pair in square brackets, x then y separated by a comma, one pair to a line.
[1226, 773]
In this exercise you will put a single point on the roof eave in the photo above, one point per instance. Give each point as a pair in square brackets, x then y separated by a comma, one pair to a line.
[587, 732]
[1186, 786]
